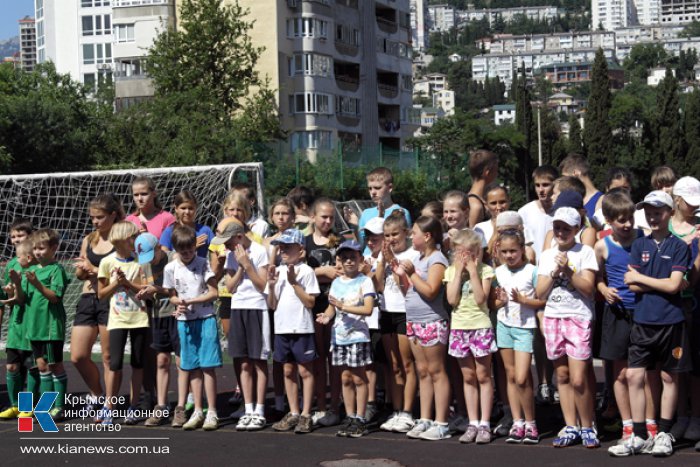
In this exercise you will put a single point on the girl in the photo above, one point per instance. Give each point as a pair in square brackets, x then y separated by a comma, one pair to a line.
[618, 177]
[472, 340]
[149, 215]
[686, 198]
[514, 298]
[302, 199]
[393, 322]
[320, 247]
[432, 208]
[497, 201]
[91, 314]
[427, 327]
[351, 300]
[185, 206]
[584, 233]
[118, 279]
[509, 220]
[455, 210]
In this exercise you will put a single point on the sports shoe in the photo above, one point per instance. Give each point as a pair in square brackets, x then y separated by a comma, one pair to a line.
[358, 429]
[371, 411]
[101, 414]
[257, 423]
[679, 428]
[543, 395]
[458, 423]
[567, 436]
[483, 435]
[469, 435]
[316, 416]
[436, 433]
[287, 423]
[179, 417]
[106, 416]
[418, 429]
[304, 425]
[516, 434]
[236, 399]
[159, 417]
[403, 423]
[345, 427]
[58, 414]
[211, 423]
[589, 438]
[189, 405]
[243, 422]
[504, 424]
[532, 436]
[697, 446]
[195, 421]
[631, 446]
[330, 418]
[130, 418]
[9, 414]
[663, 445]
[692, 433]
[388, 425]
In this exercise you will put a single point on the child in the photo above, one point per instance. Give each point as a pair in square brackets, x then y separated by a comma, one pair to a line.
[119, 279]
[497, 201]
[472, 340]
[566, 280]
[575, 165]
[302, 198]
[537, 214]
[432, 208]
[291, 291]
[185, 206]
[655, 274]
[483, 168]
[192, 288]
[46, 317]
[149, 215]
[351, 300]
[238, 206]
[249, 332]
[515, 300]
[427, 327]
[662, 178]
[584, 234]
[255, 221]
[509, 220]
[618, 178]
[397, 348]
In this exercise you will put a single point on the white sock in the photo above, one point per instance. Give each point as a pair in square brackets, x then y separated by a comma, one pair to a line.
[519, 423]
[249, 408]
[485, 423]
[197, 412]
[260, 409]
[474, 422]
[211, 413]
[279, 403]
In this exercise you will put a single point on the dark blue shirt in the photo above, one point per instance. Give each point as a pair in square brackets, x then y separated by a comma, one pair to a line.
[203, 251]
[615, 269]
[659, 261]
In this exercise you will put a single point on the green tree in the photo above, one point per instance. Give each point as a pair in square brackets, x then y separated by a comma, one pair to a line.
[668, 137]
[597, 133]
[692, 133]
[691, 30]
[643, 57]
[575, 137]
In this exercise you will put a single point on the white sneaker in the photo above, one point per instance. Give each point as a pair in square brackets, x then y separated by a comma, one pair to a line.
[419, 428]
[195, 421]
[692, 433]
[403, 424]
[436, 433]
[257, 422]
[629, 447]
[211, 423]
[389, 424]
[316, 416]
[243, 422]
[663, 445]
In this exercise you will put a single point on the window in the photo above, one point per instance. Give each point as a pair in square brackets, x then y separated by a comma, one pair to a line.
[347, 35]
[347, 106]
[104, 53]
[123, 32]
[88, 26]
[310, 64]
[318, 139]
[89, 54]
[39, 6]
[40, 37]
[89, 80]
[307, 27]
[311, 102]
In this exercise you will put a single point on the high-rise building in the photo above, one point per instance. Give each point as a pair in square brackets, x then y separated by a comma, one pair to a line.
[679, 11]
[27, 44]
[611, 14]
[419, 26]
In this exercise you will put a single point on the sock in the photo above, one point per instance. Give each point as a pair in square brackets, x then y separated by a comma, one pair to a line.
[665, 425]
[474, 422]
[45, 382]
[627, 422]
[279, 403]
[519, 423]
[60, 384]
[441, 423]
[403, 413]
[249, 408]
[640, 430]
[531, 423]
[296, 414]
[14, 384]
[198, 412]
[485, 423]
[33, 382]
[211, 413]
[260, 409]
[361, 418]
[652, 427]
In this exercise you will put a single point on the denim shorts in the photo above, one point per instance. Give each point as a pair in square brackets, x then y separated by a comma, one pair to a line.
[199, 344]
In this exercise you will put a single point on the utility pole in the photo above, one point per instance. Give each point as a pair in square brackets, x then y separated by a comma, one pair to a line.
[539, 137]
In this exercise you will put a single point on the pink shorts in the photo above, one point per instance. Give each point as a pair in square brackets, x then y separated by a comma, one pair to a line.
[476, 342]
[567, 336]
[428, 334]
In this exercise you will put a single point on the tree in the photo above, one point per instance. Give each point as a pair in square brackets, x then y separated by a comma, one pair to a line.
[692, 133]
[643, 57]
[575, 138]
[667, 128]
[596, 131]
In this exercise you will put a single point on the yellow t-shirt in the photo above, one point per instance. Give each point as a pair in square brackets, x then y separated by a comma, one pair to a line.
[125, 310]
[468, 315]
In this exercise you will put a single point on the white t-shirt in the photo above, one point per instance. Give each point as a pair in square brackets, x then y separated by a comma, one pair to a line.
[524, 279]
[259, 226]
[564, 300]
[485, 229]
[291, 316]
[373, 319]
[349, 328]
[190, 281]
[537, 223]
[394, 301]
[247, 296]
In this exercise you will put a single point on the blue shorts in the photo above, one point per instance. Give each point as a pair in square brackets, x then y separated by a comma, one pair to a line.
[296, 348]
[509, 337]
[199, 344]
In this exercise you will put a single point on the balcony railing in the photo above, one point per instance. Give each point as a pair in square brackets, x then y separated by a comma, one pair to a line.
[387, 25]
[347, 83]
[388, 91]
[346, 49]
[125, 3]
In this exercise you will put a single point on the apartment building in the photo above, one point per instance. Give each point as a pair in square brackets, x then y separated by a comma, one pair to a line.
[441, 18]
[680, 11]
[612, 14]
[539, 13]
[27, 44]
[419, 24]
[575, 40]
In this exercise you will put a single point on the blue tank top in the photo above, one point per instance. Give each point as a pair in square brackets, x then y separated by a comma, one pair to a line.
[590, 205]
[616, 267]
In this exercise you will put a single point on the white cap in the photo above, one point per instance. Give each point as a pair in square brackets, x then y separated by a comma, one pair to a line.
[688, 188]
[508, 218]
[568, 215]
[375, 225]
[657, 198]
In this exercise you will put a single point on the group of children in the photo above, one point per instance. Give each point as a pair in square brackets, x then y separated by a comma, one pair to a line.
[464, 297]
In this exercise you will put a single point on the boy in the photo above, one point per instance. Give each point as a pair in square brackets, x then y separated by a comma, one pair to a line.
[192, 288]
[256, 223]
[46, 317]
[575, 165]
[662, 178]
[291, 292]
[483, 168]
[659, 335]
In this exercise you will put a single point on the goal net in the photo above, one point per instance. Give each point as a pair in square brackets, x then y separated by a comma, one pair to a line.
[60, 201]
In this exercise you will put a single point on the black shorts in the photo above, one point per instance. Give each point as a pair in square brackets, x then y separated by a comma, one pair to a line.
[297, 348]
[378, 355]
[225, 307]
[665, 344]
[164, 334]
[695, 345]
[597, 329]
[51, 351]
[392, 323]
[117, 344]
[616, 326]
[90, 311]
[20, 357]
[249, 334]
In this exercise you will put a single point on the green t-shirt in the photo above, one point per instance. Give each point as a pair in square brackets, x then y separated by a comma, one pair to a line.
[468, 315]
[46, 321]
[16, 332]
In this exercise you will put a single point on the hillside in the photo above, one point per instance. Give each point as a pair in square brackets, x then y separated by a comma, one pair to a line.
[8, 47]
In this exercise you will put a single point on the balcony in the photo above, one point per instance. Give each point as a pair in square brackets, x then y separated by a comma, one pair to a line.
[389, 120]
[347, 75]
[388, 84]
[386, 19]
[347, 120]
[128, 3]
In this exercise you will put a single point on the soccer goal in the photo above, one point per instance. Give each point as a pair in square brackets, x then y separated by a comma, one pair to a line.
[60, 201]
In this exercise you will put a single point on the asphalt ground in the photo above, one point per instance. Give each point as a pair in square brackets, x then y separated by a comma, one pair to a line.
[140, 445]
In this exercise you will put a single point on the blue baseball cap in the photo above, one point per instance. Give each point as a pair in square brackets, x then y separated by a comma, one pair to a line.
[289, 236]
[145, 246]
[349, 245]
[568, 199]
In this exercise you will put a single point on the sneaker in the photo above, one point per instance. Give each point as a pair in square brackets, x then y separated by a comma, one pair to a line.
[532, 436]
[287, 423]
[589, 438]
[567, 436]
[9, 414]
[304, 425]
[371, 411]
[697, 446]
[179, 417]
[483, 435]
[130, 418]
[436, 433]
[469, 435]
[458, 424]
[543, 396]
[679, 428]
[101, 414]
[419, 428]
[211, 423]
[388, 425]
[243, 422]
[330, 418]
[106, 416]
[189, 405]
[692, 433]
[195, 421]
[503, 426]
[159, 417]
[345, 427]
[257, 423]
[403, 424]
[663, 445]
[631, 446]
[58, 414]
[236, 399]
[316, 416]
[516, 434]
[358, 429]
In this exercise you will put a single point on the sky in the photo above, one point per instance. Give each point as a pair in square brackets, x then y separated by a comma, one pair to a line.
[10, 12]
